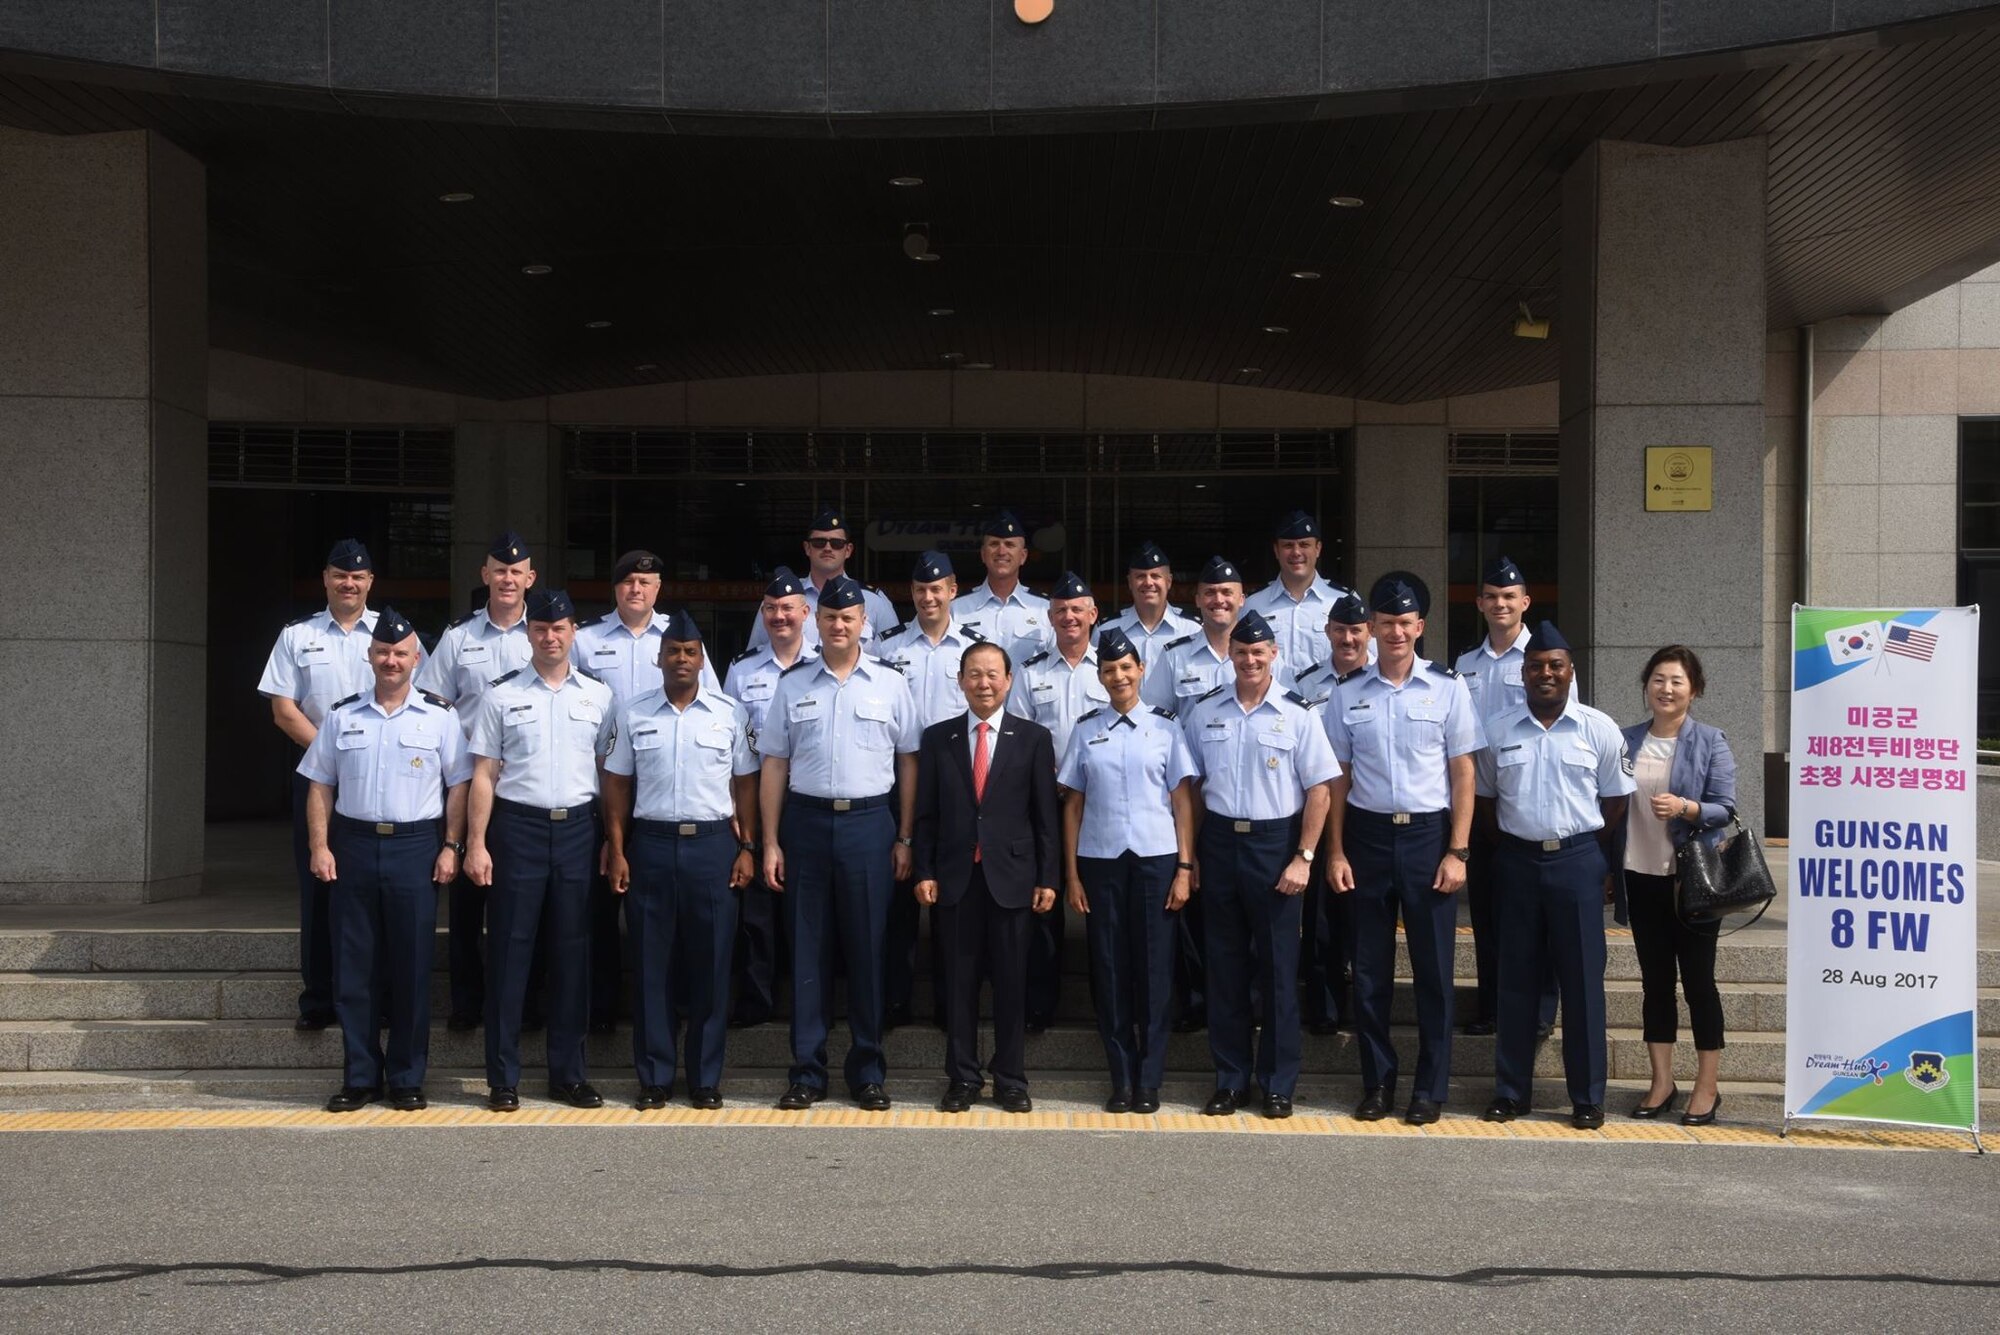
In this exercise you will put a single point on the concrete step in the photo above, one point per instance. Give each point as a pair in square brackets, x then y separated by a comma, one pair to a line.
[115, 1045]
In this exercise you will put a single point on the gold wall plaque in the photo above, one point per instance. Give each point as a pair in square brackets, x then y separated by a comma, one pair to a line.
[1680, 477]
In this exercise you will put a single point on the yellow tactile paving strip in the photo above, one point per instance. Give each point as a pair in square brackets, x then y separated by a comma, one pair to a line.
[1460, 1127]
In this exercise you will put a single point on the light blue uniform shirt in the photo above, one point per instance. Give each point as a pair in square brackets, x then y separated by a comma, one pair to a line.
[841, 737]
[1494, 680]
[1546, 781]
[629, 664]
[682, 760]
[387, 766]
[472, 654]
[878, 615]
[1127, 767]
[547, 739]
[930, 669]
[1190, 669]
[1019, 623]
[1395, 741]
[1054, 694]
[315, 663]
[1152, 644]
[753, 680]
[1298, 623]
[1257, 765]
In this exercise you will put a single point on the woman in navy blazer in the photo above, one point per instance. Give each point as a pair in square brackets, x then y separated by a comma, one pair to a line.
[1687, 790]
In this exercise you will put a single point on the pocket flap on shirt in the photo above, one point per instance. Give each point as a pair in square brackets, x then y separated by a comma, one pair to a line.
[424, 739]
[586, 711]
[516, 716]
[875, 711]
[647, 739]
[1279, 741]
[1581, 757]
[1510, 756]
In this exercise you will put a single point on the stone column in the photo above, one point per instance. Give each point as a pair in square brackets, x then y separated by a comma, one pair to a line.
[104, 561]
[505, 476]
[1400, 496]
[1663, 340]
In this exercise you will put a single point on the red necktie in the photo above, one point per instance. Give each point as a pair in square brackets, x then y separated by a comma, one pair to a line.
[979, 765]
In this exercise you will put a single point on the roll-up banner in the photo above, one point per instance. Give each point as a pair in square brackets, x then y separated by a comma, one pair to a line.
[1881, 995]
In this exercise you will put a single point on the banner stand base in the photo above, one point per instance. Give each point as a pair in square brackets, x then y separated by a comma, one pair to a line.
[1978, 1146]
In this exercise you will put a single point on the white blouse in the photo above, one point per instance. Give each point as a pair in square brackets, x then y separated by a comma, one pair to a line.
[1648, 847]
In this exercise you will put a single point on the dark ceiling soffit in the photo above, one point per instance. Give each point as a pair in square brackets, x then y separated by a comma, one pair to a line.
[1127, 117]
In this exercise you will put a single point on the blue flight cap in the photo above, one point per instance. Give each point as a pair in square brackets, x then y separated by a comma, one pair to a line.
[636, 563]
[1548, 637]
[1147, 557]
[1251, 628]
[1297, 524]
[784, 584]
[550, 605]
[931, 567]
[349, 554]
[1392, 597]
[839, 592]
[1348, 611]
[392, 627]
[508, 548]
[1220, 570]
[1003, 525]
[680, 627]
[826, 521]
[1071, 585]
[1113, 644]
[1503, 573]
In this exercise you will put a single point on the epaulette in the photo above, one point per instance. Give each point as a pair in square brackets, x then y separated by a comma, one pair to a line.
[341, 704]
[803, 660]
[971, 633]
[1036, 659]
[453, 625]
[896, 668]
[1168, 713]
[433, 698]
[505, 676]
[1316, 667]
[1350, 674]
[894, 631]
[745, 654]
[588, 673]
[1444, 671]
[299, 621]
[872, 589]
[1185, 639]
[1090, 713]
[599, 619]
[1298, 700]
[1212, 691]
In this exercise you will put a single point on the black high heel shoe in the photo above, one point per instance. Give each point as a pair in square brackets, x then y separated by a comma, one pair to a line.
[1702, 1119]
[1648, 1112]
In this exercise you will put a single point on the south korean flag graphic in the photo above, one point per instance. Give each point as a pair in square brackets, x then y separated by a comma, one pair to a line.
[1854, 644]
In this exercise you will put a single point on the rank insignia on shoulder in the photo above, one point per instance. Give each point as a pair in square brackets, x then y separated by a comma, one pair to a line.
[747, 653]
[1185, 639]
[300, 621]
[893, 631]
[1298, 699]
[341, 704]
[1163, 713]
[1350, 675]
[588, 673]
[434, 698]
[1625, 763]
[1444, 671]
[803, 660]
[1036, 659]
[1210, 693]
[970, 633]
[505, 676]
[453, 625]
[1089, 713]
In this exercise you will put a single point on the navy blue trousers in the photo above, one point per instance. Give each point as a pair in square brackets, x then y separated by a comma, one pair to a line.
[1326, 954]
[1394, 866]
[1551, 914]
[1131, 938]
[680, 916]
[838, 884]
[384, 918]
[315, 925]
[540, 892]
[1252, 940]
[1190, 962]
[1045, 952]
[754, 963]
[1487, 934]
[607, 949]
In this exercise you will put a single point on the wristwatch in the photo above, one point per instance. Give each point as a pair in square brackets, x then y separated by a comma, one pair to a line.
[907, 843]
[1183, 866]
[746, 848]
[1462, 854]
[1306, 853]
[455, 846]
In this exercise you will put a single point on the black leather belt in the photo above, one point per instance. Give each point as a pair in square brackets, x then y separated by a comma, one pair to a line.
[1397, 817]
[1253, 826]
[386, 828]
[1548, 845]
[840, 803]
[681, 829]
[546, 813]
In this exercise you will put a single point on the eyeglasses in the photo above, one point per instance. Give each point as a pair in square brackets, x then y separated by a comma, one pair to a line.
[827, 544]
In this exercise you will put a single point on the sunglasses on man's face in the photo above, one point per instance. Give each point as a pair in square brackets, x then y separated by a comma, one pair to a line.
[827, 544]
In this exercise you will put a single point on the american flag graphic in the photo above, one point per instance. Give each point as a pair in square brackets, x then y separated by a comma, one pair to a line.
[1910, 642]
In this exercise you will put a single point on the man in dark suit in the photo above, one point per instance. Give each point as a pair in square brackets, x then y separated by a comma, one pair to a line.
[987, 842]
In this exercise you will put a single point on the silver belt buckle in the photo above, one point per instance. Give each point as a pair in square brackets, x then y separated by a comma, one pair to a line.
[560, 813]
[1400, 818]
[1240, 826]
[843, 804]
[1552, 845]
[383, 827]
[687, 830]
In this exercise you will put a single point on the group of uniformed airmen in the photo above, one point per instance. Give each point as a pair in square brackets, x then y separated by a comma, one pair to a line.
[550, 772]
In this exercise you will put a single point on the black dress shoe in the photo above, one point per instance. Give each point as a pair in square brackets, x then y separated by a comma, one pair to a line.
[314, 1021]
[1374, 1105]
[1323, 1028]
[1586, 1116]
[871, 1098]
[1016, 1100]
[578, 1095]
[1421, 1112]
[459, 1024]
[1223, 1102]
[1543, 1032]
[1191, 1024]
[1036, 1024]
[352, 1098]
[1119, 1102]
[1146, 1101]
[408, 1098]
[502, 1098]
[1504, 1110]
[1277, 1106]
[708, 1098]
[653, 1097]
[1692, 1118]
[958, 1097]
[1480, 1029]
[1650, 1112]
[750, 1020]
[798, 1097]
[604, 1027]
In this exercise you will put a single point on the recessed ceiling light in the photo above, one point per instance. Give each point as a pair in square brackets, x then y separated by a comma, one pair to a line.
[928, 257]
[979, 366]
[743, 484]
[647, 366]
[907, 182]
[456, 197]
[953, 357]
[1345, 201]
[1201, 486]
[1249, 370]
[537, 270]
[597, 324]
[1276, 329]
[1306, 275]
[942, 310]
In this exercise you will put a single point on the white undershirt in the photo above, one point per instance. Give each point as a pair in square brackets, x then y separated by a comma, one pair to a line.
[1648, 847]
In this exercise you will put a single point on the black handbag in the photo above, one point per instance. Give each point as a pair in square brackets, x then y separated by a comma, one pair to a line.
[1713, 883]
